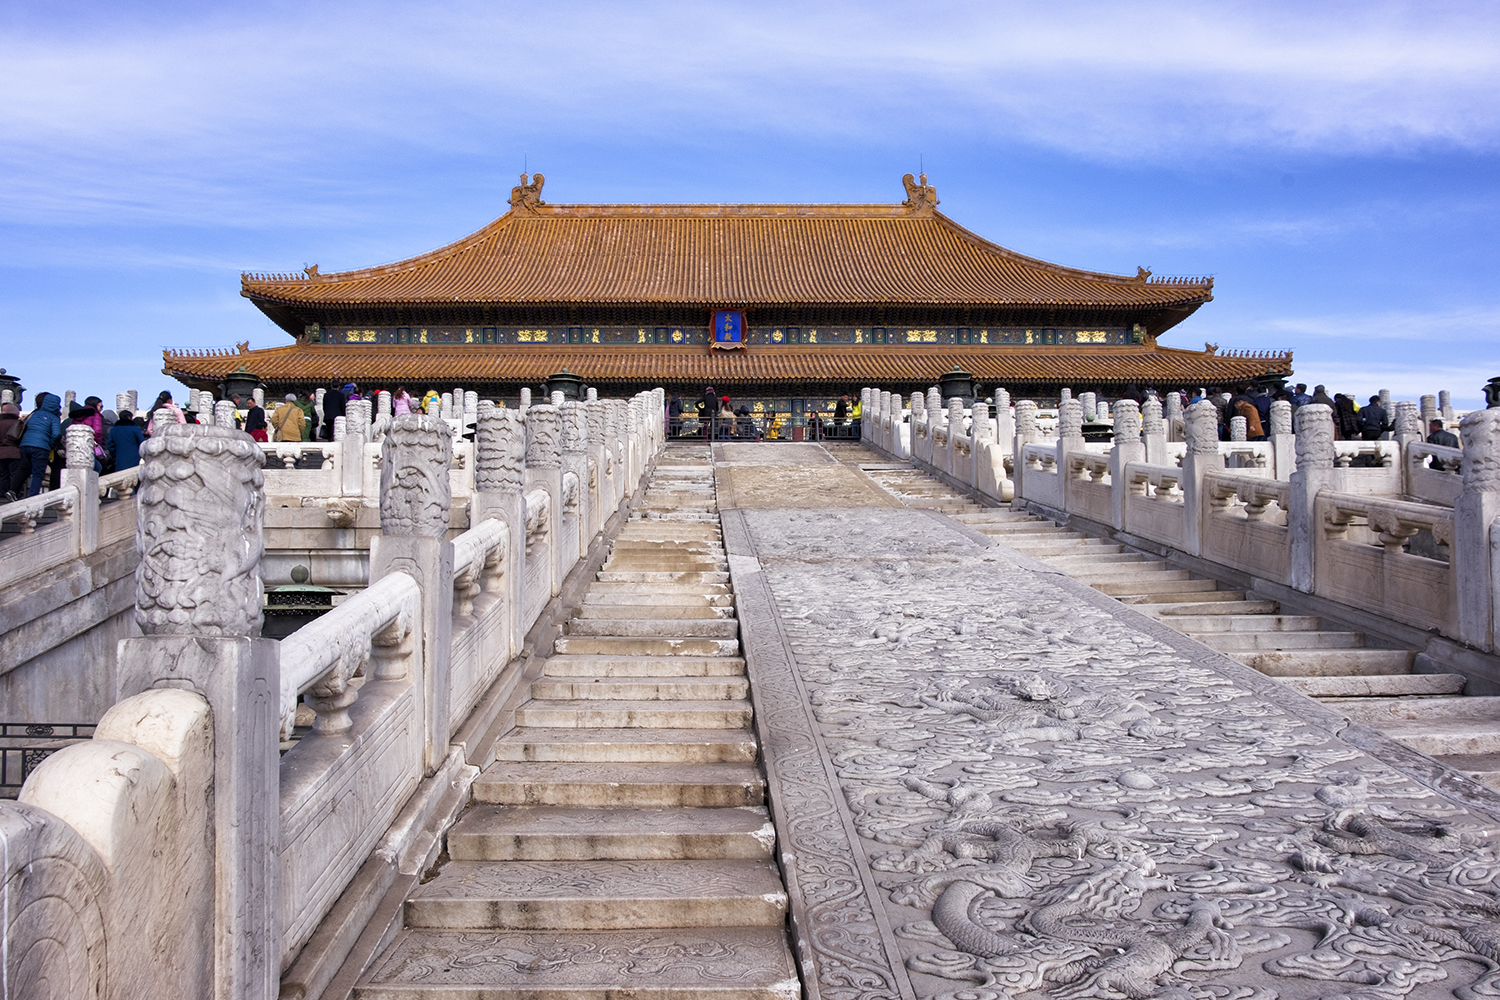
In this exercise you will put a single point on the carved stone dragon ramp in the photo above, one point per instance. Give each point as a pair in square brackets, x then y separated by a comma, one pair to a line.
[991, 782]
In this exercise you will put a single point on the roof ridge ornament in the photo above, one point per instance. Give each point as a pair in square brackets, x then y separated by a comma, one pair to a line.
[1142, 274]
[921, 197]
[527, 197]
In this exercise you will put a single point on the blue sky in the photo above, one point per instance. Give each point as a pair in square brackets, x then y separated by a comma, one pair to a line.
[1333, 165]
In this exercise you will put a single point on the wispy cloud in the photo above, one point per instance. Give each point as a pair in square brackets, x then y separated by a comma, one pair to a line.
[1442, 328]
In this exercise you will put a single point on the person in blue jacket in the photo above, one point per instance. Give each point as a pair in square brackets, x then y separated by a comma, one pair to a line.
[43, 435]
[124, 442]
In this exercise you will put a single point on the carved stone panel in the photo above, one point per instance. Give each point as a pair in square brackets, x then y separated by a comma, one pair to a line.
[500, 450]
[199, 532]
[415, 492]
[543, 437]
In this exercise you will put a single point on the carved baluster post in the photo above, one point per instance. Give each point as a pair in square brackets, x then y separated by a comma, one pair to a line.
[1430, 412]
[953, 459]
[499, 486]
[1128, 447]
[198, 605]
[1315, 472]
[1474, 535]
[615, 445]
[1445, 406]
[415, 502]
[1005, 423]
[1027, 432]
[1063, 395]
[525, 402]
[1239, 429]
[1153, 432]
[317, 434]
[1283, 444]
[597, 417]
[1176, 423]
[1407, 427]
[1069, 439]
[79, 473]
[351, 460]
[1202, 425]
[575, 467]
[544, 469]
[866, 411]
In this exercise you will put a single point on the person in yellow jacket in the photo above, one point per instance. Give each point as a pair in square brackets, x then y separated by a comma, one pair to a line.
[854, 415]
[287, 420]
[432, 403]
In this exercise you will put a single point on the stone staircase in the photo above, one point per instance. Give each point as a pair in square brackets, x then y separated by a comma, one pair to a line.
[1356, 673]
[620, 844]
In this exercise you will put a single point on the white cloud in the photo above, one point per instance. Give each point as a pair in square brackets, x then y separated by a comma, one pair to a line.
[173, 118]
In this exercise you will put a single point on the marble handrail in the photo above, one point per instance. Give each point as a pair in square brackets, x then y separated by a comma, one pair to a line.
[323, 656]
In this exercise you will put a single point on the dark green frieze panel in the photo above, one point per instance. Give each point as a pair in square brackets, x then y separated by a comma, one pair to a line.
[685, 336]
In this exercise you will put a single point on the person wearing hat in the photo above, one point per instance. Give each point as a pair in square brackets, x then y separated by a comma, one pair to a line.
[708, 406]
[726, 419]
[287, 420]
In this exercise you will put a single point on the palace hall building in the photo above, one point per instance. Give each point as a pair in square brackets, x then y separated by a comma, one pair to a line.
[781, 307]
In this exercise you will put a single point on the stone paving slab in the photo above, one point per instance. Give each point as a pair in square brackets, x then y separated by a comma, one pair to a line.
[792, 487]
[990, 781]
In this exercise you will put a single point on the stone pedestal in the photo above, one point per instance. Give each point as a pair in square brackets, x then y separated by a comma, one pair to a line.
[198, 603]
[1201, 425]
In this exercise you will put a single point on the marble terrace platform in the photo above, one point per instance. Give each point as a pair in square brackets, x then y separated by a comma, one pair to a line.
[990, 780]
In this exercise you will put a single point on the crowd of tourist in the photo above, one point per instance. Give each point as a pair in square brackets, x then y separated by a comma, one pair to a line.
[31, 444]
[1351, 421]
[715, 417]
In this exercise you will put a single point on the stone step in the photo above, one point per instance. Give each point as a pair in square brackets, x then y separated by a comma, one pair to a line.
[599, 895]
[1171, 614]
[708, 596]
[556, 833]
[664, 564]
[700, 546]
[634, 628]
[1195, 598]
[1378, 685]
[1156, 585]
[641, 689]
[647, 646]
[1101, 558]
[652, 612]
[644, 666]
[1154, 572]
[674, 534]
[648, 576]
[1383, 711]
[732, 963]
[1011, 527]
[1444, 739]
[563, 714]
[628, 746]
[619, 784]
[993, 516]
[1233, 641]
[1330, 663]
[1483, 767]
[1194, 624]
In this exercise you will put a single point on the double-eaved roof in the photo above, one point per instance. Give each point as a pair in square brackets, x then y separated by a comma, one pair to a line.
[726, 255]
[643, 263]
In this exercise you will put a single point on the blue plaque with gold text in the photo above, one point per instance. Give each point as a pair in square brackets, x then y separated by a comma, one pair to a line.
[729, 327]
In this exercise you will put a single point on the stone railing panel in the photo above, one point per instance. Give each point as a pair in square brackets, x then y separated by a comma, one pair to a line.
[39, 545]
[1245, 523]
[1433, 473]
[1361, 560]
